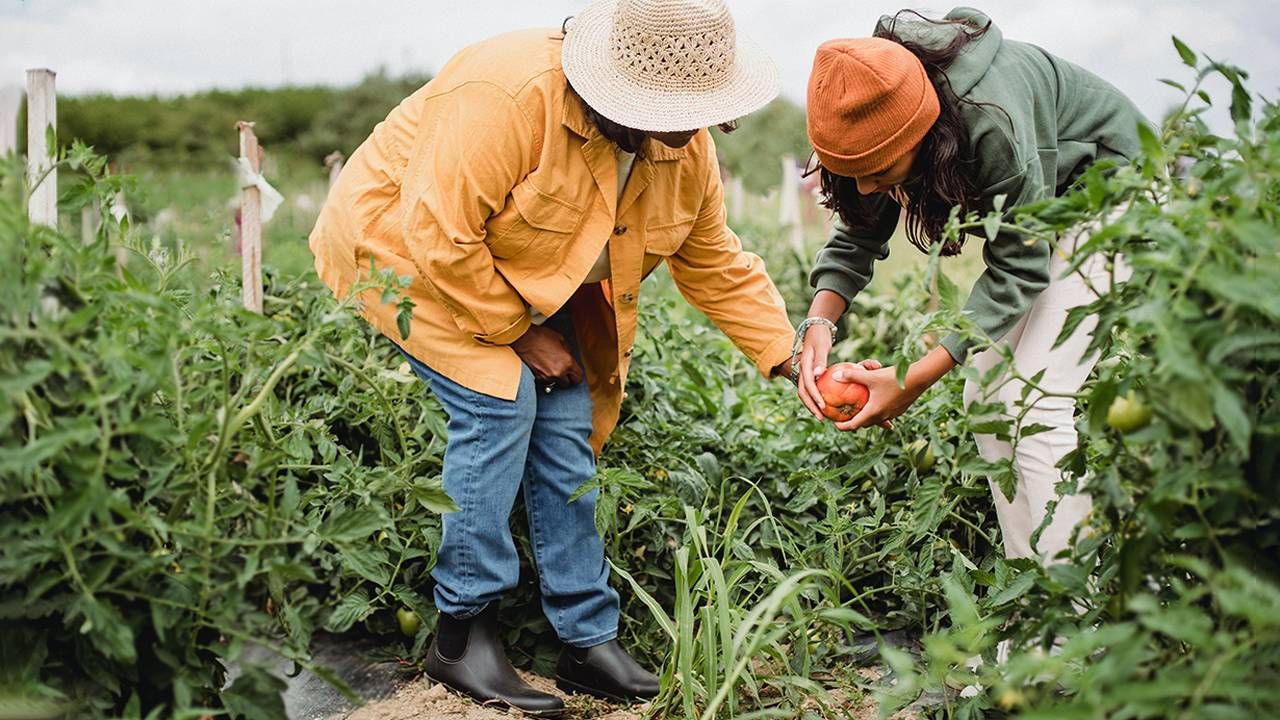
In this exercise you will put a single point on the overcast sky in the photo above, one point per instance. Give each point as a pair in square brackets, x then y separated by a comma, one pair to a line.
[171, 46]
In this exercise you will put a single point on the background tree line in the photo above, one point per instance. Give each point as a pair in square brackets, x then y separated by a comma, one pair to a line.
[309, 122]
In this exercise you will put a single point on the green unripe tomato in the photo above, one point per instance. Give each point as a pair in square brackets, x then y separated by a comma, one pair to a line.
[409, 621]
[1128, 413]
[920, 455]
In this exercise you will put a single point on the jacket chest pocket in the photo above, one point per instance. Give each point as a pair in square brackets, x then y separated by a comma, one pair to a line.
[665, 239]
[532, 220]
[662, 241]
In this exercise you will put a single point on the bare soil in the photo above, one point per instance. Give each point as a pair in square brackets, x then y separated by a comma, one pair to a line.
[422, 699]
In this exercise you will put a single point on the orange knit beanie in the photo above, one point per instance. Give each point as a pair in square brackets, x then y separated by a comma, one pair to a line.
[870, 102]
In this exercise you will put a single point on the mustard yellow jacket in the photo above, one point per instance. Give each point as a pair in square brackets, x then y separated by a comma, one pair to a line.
[492, 190]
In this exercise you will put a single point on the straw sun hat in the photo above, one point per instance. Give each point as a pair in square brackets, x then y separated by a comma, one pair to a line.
[666, 65]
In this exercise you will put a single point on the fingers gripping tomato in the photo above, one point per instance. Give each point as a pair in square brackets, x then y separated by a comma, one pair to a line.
[841, 400]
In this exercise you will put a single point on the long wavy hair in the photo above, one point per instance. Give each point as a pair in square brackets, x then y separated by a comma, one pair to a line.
[941, 176]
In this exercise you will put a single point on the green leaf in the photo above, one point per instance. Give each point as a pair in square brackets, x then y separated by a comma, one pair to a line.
[405, 317]
[1230, 410]
[901, 368]
[105, 627]
[1188, 624]
[964, 611]
[256, 695]
[368, 561]
[991, 225]
[846, 617]
[351, 525]
[1188, 57]
[1190, 402]
[948, 293]
[1151, 145]
[75, 432]
[350, 610]
[1015, 589]
[1241, 103]
[431, 495]
[1104, 393]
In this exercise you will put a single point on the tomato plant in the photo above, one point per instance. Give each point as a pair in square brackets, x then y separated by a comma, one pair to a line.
[180, 479]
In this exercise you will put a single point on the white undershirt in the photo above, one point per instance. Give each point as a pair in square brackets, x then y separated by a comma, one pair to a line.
[600, 270]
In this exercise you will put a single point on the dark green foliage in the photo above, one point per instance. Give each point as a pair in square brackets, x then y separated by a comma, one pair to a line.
[307, 122]
[179, 478]
[753, 151]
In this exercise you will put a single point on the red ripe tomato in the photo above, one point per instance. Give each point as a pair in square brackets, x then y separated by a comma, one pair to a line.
[841, 400]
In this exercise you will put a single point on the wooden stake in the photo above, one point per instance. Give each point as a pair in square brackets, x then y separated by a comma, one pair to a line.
[737, 199]
[119, 211]
[250, 223]
[789, 202]
[42, 116]
[334, 161]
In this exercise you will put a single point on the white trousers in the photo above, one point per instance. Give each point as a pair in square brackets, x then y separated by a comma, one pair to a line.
[1035, 457]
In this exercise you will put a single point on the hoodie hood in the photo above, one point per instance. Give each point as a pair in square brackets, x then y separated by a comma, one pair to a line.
[973, 62]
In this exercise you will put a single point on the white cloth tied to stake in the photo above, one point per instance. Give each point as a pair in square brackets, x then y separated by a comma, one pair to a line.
[271, 198]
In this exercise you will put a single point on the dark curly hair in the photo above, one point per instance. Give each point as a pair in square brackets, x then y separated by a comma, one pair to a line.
[627, 138]
[940, 177]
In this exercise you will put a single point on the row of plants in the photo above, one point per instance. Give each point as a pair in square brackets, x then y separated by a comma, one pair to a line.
[182, 479]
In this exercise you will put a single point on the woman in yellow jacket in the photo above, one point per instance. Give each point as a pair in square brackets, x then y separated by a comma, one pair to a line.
[528, 189]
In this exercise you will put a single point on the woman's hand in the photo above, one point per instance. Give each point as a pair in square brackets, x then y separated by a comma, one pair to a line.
[548, 355]
[813, 362]
[887, 399]
[816, 347]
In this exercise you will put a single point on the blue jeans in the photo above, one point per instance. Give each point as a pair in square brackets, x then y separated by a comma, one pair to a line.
[495, 447]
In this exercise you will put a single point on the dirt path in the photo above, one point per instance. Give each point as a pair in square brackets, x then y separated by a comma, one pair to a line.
[422, 699]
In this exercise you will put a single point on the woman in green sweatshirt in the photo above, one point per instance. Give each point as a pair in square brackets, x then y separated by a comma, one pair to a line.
[929, 115]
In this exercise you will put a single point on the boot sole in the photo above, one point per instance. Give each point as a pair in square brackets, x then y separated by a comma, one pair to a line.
[570, 686]
[498, 703]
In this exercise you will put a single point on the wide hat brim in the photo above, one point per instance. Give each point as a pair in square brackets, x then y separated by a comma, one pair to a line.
[751, 83]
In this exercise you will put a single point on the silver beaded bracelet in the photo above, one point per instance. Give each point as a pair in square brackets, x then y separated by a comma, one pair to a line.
[801, 329]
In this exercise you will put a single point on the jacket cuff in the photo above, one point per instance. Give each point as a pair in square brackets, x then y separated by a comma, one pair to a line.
[509, 334]
[836, 282]
[774, 354]
[958, 346]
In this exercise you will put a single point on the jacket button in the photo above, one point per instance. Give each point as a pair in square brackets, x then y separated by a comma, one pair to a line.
[628, 297]
[627, 353]
[619, 229]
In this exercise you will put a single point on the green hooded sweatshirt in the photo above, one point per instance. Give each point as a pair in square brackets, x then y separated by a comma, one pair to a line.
[1036, 122]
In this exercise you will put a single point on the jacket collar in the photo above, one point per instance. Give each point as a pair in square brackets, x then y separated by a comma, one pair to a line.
[576, 121]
